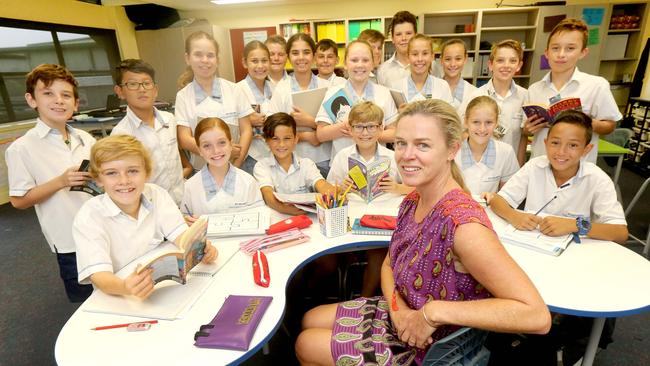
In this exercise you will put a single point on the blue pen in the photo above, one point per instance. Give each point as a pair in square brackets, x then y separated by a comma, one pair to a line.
[551, 200]
[189, 213]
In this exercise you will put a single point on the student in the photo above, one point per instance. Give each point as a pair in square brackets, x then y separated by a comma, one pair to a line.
[402, 29]
[277, 46]
[576, 195]
[301, 48]
[486, 163]
[506, 59]
[376, 40]
[219, 186]
[453, 56]
[358, 88]
[285, 171]
[256, 90]
[42, 166]
[420, 84]
[567, 44]
[130, 219]
[135, 82]
[327, 58]
[203, 94]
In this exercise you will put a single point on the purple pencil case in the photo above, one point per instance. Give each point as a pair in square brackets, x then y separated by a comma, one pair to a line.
[235, 323]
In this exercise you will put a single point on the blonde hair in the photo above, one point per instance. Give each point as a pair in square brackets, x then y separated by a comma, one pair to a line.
[117, 147]
[188, 75]
[445, 116]
[479, 101]
[507, 43]
[357, 41]
[450, 42]
[365, 112]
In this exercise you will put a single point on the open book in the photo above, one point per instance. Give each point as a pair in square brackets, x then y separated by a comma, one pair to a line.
[309, 100]
[89, 186]
[550, 112]
[367, 177]
[535, 240]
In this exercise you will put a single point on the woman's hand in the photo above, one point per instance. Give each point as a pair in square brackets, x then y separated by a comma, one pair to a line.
[415, 332]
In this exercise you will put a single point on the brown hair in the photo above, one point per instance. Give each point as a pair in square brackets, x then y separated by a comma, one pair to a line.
[208, 124]
[570, 25]
[187, 76]
[133, 65]
[450, 42]
[371, 35]
[420, 37]
[275, 120]
[403, 17]
[507, 43]
[300, 37]
[445, 116]
[116, 147]
[356, 41]
[255, 45]
[480, 101]
[277, 39]
[365, 112]
[48, 73]
[327, 44]
[577, 118]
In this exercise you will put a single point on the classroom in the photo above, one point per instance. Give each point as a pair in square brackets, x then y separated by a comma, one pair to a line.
[322, 148]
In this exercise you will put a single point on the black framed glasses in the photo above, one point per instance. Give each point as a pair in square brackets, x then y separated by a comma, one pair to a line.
[134, 85]
[371, 128]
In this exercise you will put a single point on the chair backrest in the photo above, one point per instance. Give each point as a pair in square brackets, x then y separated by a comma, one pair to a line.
[464, 347]
[620, 136]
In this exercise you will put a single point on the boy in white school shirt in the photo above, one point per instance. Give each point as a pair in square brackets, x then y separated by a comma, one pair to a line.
[129, 220]
[402, 28]
[577, 196]
[567, 44]
[42, 166]
[135, 82]
[285, 171]
[326, 60]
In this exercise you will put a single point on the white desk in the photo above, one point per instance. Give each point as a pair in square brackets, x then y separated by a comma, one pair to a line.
[595, 279]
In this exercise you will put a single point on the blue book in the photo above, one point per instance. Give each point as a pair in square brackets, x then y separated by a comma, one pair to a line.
[364, 230]
[337, 105]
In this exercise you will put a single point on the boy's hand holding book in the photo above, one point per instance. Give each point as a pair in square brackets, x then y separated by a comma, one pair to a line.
[139, 284]
[557, 226]
[210, 254]
[534, 124]
[525, 221]
[350, 183]
[387, 184]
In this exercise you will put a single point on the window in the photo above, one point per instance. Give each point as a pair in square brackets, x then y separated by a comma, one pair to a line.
[90, 54]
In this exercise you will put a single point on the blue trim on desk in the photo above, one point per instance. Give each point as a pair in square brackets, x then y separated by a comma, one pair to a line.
[599, 314]
[338, 249]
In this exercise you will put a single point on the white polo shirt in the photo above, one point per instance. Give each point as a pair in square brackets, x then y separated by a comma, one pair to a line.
[107, 239]
[251, 94]
[335, 80]
[36, 158]
[274, 83]
[511, 116]
[163, 146]
[391, 71]
[497, 165]
[202, 195]
[339, 168]
[301, 177]
[462, 93]
[434, 88]
[595, 96]
[282, 101]
[378, 94]
[590, 193]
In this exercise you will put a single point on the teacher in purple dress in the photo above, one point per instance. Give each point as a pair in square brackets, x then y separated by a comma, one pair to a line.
[445, 267]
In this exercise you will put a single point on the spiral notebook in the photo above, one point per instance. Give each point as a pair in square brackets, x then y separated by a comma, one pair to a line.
[364, 230]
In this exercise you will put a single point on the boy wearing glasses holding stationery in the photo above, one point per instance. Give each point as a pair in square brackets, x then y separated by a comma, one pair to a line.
[135, 83]
[577, 195]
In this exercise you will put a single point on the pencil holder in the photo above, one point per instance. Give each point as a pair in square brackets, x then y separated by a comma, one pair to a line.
[334, 221]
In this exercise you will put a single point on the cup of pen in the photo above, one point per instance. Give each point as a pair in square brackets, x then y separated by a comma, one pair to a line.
[332, 211]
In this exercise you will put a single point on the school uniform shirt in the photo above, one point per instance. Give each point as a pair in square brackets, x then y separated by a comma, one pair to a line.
[275, 83]
[378, 94]
[462, 93]
[261, 103]
[300, 178]
[391, 70]
[595, 96]
[335, 80]
[239, 191]
[108, 239]
[434, 88]
[192, 105]
[282, 101]
[162, 144]
[339, 168]
[511, 115]
[39, 156]
[497, 165]
[590, 193]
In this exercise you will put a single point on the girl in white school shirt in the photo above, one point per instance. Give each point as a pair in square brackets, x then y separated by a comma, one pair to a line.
[256, 89]
[301, 49]
[453, 57]
[219, 186]
[206, 95]
[420, 84]
[358, 63]
[486, 163]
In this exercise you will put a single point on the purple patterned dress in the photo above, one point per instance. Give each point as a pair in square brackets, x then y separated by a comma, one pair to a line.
[423, 269]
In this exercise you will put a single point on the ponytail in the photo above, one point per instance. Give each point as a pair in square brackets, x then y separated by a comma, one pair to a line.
[457, 175]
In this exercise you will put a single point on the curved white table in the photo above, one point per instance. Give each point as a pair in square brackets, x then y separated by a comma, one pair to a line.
[577, 282]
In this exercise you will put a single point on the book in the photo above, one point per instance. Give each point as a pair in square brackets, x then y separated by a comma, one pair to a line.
[367, 177]
[309, 100]
[234, 325]
[250, 222]
[364, 230]
[337, 106]
[176, 264]
[535, 240]
[398, 97]
[303, 201]
[89, 186]
[550, 112]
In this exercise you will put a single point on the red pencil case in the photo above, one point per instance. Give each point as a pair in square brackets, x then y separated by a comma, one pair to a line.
[379, 221]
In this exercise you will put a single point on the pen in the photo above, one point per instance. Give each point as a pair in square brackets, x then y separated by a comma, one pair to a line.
[123, 325]
[551, 200]
[187, 209]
